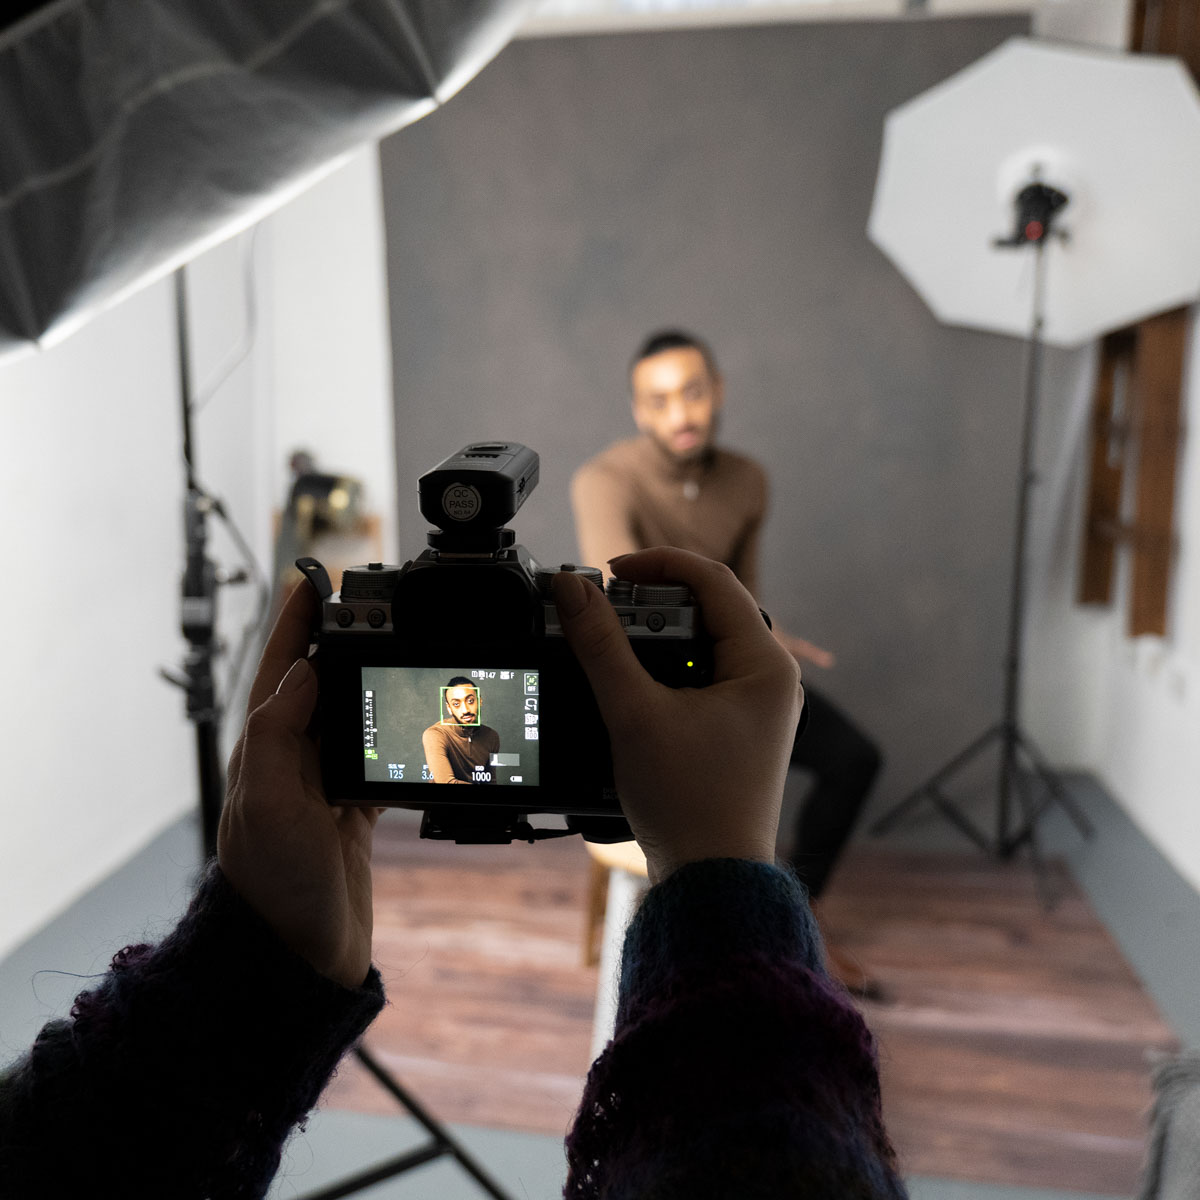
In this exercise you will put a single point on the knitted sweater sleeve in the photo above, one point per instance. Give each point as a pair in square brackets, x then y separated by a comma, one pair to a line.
[181, 1073]
[739, 1067]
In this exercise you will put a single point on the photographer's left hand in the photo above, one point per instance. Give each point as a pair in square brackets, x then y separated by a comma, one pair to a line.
[302, 864]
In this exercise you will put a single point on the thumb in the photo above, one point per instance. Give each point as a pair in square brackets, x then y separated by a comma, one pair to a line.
[599, 643]
[292, 704]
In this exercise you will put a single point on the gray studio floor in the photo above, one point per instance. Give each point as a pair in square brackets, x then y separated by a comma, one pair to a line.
[1146, 905]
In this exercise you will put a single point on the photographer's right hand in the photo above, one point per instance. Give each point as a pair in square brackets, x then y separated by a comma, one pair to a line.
[304, 865]
[700, 771]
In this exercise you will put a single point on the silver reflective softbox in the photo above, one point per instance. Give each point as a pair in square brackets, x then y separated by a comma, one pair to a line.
[137, 133]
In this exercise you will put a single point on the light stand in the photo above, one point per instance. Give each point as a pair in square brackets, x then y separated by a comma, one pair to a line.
[198, 613]
[198, 605]
[1037, 205]
[1119, 134]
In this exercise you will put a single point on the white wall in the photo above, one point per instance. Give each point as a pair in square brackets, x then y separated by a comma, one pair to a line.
[332, 366]
[1127, 709]
[97, 755]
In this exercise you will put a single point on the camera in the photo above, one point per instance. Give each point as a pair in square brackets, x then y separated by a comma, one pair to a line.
[452, 669]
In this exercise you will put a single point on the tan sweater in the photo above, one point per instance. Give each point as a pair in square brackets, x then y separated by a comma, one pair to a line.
[454, 751]
[633, 496]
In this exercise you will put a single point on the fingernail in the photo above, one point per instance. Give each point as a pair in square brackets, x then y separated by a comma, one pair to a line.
[569, 593]
[295, 679]
[618, 558]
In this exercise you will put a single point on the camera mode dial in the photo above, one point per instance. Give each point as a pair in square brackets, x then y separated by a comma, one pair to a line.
[375, 581]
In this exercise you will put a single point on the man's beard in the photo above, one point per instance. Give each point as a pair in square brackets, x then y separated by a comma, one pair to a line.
[695, 454]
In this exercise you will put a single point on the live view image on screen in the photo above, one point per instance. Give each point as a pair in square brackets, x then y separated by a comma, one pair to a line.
[457, 725]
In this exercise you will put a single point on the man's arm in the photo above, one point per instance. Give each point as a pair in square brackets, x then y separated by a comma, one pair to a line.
[436, 757]
[604, 518]
[745, 559]
[745, 567]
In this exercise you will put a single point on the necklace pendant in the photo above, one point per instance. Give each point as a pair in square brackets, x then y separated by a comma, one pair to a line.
[691, 489]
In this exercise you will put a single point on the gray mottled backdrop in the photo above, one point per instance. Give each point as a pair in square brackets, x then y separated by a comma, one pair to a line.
[584, 191]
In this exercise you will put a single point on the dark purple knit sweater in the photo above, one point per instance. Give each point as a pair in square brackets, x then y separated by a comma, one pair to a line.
[180, 1075]
[739, 1069]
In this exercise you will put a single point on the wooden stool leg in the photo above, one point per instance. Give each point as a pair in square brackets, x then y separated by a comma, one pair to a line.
[593, 920]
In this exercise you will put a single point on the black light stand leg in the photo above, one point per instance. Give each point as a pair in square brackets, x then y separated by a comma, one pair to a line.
[208, 761]
[1012, 778]
[930, 789]
[1041, 878]
[442, 1143]
[1057, 793]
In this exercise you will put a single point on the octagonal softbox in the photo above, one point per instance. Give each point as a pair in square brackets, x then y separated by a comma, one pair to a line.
[1118, 133]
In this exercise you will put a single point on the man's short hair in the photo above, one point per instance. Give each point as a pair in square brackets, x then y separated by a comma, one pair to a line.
[459, 680]
[675, 339]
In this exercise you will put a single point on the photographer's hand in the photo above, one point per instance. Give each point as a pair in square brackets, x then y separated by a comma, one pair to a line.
[304, 866]
[699, 771]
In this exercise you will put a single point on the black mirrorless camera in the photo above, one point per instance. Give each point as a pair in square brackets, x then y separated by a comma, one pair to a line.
[452, 669]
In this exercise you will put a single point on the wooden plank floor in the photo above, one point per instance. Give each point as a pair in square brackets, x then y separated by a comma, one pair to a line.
[1014, 1044]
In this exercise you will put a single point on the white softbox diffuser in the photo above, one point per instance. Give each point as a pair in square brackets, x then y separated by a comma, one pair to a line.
[1120, 134]
[137, 133]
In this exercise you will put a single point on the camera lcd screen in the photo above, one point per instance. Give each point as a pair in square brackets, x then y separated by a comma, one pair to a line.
[452, 724]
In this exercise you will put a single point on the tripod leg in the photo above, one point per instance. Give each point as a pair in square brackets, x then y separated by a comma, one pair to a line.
[431, 1123]
[1054, 785]
[956, 818]
[443, 1143]
[930, 786]
[1040, 874]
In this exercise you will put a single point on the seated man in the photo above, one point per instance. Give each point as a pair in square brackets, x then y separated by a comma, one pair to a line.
[674, 486]
[458, 748]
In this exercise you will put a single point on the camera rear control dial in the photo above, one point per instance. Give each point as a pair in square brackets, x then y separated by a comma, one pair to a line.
[661, 595]
[619, 591]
